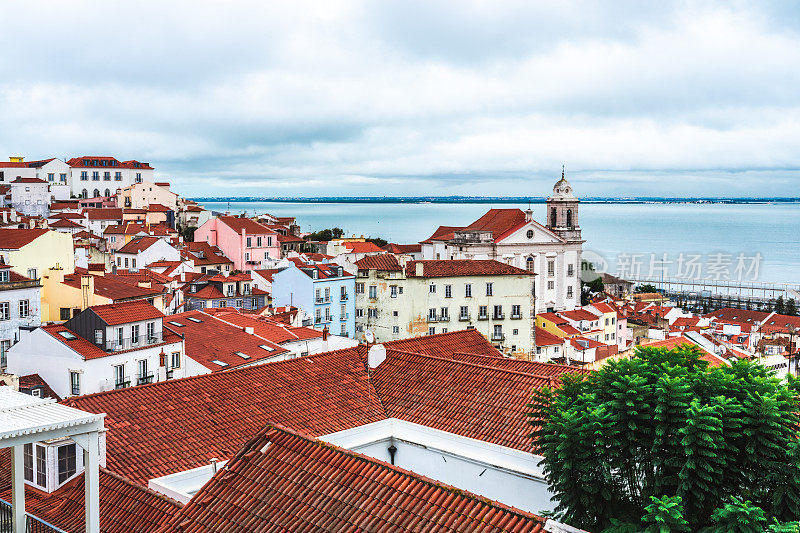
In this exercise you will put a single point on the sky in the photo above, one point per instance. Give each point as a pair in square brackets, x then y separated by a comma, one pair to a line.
[412, 97]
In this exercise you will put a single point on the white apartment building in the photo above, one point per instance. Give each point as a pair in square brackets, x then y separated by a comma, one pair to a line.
[93, 176]
[20, 308]
[439, 296]
[105, 347]
[31, 196]
[511, 236]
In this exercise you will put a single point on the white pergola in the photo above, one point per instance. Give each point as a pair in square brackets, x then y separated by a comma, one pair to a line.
[25, 419]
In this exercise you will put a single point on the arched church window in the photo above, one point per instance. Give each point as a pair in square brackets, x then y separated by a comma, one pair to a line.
[553, 219]
[529, 264]
[96, 193]
[569, 218]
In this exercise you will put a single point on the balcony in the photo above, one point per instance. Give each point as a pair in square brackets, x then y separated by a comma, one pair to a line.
[516, 316]
[128, 343]
[33, 524]
[444, 318]
[483, 317]
[146, 379]
[463, 318]
[498, 336]
[322, 320]
[124, 384]
[321, 300]
[344, 317]
[9, 285]
[498, 316]
[433, 319]
[344, 297]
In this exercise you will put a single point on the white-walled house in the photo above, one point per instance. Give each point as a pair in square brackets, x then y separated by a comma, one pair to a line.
[104, 347]
[31, 196]
[92, 174]
[20, 308]
[141, 251]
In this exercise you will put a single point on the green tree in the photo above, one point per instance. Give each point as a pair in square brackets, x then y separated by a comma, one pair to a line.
[645, 287]
[377, 241]
[325, 234]
[791, 307]
[662, 424]
[780, 308]
[665, 515]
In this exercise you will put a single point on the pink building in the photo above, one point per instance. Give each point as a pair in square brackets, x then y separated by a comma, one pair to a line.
[250, 245]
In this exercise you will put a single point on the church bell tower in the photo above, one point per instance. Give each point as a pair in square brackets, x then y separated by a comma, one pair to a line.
[562, 211]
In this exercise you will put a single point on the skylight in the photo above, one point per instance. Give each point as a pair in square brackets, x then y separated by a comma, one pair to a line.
[242, 355]
[177, 324]
[267, 348]
[67, 335]
[193, 319]
[220, 363]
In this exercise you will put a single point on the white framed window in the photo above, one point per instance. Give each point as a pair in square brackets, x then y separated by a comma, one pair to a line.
[489, 289]
[431, 289]
[396, 330]
[75, 382]
[551, 285]
[67, 462]
[24, 308]
[448, 291]
[373, 291]
[5, 311]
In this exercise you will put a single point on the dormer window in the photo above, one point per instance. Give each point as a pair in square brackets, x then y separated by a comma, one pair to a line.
[314, 274]
[4, 276]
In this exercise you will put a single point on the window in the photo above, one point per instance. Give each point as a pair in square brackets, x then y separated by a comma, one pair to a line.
[515, 331]
[343, 293]
[529, 234]
[432, 330]
[247, 258]
[569, 290]
[343, 330]
[32, 273]
[95, 176]
[498, 312]
[448, 291]
[5, 311]
[373, 291]
[117, 176]
[98, 336]
[445, 314]
[51, 176]
[327, 314]
[27, 462]
[249, 242]
[529, 264]
[463, 312]
[468, 290]
[483, 312]
[359, 312]
[75, 383]
[343, 311]
[372, 313]
[176, 360]
[327, 294]
[133, 262]
[142, 368]
[396, 330]
[119, 375]
[138, 177]
[432, 313]
[151, 330]
[84, 175]
[489, 289]
[24, 308]
[64, 313]
[551, 268]
[551, 285]
[612, 336]
[606, 336]
[570, 270]
[431, 289]
[106, 176]
[359, 288]
[67, 463]
[4, 275]
[258, 242]
[134, 334]
[393, 291]
[497, 333]
[126, 262]
[62, 178]
[516, 311]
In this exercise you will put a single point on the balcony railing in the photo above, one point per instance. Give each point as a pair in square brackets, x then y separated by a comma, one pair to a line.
[144, 380]
[498, 336]
[483, 317]
[344, 317]
[463, 318]
[124, 384]
[498, 316]
[322, 300]
[33, 524]
[127, 343]
[344, 297]
[322, 320]
[433, 318]
[516, 316]
[444, 318]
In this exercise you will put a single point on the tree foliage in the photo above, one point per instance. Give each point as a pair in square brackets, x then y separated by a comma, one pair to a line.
[660, 438]
[645, 288]
[325, 234]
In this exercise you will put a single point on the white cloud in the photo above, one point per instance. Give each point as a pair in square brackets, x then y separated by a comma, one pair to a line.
[412, 98]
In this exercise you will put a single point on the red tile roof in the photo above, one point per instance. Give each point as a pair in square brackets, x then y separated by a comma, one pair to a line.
[285, 481]
[472, 400]
[240, 224]
[87, 160]
[443, 233]
[500, 222]
[30, 180]
[268, 273]
[212, 339]
[379, 262]
[518, 365]
[211, 254]
[89, 350]
[545, 338]
[124, 312]
[68, 215]
[188, 421]
[603, 307]
[393, 248]
[124, 506]
[272, 330]
[65, 223]
[289, 238]
[113, 287]
[104, 213]
[358, 247]
[446, 344]
[138, 244]
[158, 208]
[579, 314]
[14, 239]
[35, 381]
[674, 342]
[435, 268]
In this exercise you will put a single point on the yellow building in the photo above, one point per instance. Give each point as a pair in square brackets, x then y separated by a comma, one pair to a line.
[65, 295]
[33, 251]
[556, 325]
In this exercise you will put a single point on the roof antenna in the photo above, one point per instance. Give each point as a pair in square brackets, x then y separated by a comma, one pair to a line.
[562, 171]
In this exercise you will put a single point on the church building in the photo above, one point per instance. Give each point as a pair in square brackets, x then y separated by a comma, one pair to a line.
[552, 251]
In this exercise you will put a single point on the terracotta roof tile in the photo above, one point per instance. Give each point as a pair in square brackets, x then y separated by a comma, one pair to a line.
[285, 481]
[13, 239]
[434, 268]
[499, 221]
[136, 245]
[379, 262]
[446, 344]
[124, 312]
[358, 247]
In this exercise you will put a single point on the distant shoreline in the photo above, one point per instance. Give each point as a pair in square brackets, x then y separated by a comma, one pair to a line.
[486, 200]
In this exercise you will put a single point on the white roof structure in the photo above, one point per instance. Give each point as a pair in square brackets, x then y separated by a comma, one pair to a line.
[24, 419]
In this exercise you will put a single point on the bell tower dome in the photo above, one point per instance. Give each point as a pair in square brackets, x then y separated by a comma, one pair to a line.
[562, 211]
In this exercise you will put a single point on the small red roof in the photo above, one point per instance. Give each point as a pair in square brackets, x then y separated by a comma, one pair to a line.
[65, 223]
[443, 233]
[358, 247]
[545, 338]
[124, 312]
[386, 262]
[138, 244]
[445, 344]
[241, 224]
[30, 180]
[500, 222]
[14, 239]
[158, 208]
[436, 268]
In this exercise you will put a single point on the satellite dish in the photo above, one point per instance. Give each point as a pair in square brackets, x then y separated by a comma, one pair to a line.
[369, 337]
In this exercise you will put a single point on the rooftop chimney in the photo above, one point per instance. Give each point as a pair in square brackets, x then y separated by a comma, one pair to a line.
[419, 269]
[325, 333]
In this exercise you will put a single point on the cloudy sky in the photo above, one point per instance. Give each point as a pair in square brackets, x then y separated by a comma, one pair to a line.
[412, 97]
